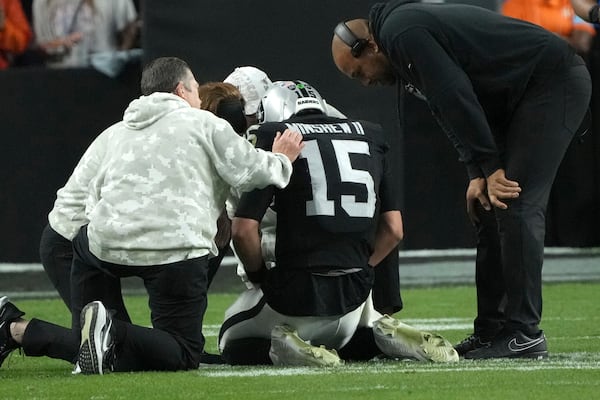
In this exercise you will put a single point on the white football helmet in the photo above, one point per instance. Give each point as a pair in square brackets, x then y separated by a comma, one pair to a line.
[287, 98]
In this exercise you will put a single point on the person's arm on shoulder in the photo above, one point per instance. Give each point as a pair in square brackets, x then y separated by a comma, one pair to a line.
[244, 167]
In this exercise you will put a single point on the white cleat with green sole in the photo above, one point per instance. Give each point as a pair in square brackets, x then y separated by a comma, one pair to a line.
[399, 340]
[288, 349]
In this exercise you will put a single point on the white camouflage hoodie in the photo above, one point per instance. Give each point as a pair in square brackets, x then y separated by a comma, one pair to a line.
[154, 184]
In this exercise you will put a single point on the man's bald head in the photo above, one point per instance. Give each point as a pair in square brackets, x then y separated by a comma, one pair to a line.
[359, 28]
[369, 64]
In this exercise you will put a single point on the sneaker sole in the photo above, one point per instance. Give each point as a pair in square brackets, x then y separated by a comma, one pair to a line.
[92, 347]
[537, 355]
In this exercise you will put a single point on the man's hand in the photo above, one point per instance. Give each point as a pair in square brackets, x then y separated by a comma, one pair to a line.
[499, 187]
[476, 192]
[72, 39]
[289, 143]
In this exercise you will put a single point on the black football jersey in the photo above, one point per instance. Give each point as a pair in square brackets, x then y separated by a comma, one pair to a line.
[327, 215]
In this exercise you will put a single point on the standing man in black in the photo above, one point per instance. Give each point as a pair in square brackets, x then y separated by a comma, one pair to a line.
[510, 96]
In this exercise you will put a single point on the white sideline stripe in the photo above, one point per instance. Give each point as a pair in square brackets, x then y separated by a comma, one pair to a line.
[548, 251]
[412, 367]
[426, 254]
[10, 267]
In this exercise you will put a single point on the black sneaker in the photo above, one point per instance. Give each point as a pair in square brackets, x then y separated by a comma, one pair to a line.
[515, 345]
[472, 342]
[96, 353]
[8, 313]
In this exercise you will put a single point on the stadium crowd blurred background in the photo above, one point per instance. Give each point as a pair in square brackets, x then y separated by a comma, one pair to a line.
[71, 66]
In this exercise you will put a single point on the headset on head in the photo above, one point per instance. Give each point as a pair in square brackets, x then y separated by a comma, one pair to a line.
[347, 36]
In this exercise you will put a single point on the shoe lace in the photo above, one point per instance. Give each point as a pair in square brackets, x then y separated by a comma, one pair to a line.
[469, 339]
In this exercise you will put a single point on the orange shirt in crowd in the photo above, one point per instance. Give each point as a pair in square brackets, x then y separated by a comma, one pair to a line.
[555, 15]
[16, 32]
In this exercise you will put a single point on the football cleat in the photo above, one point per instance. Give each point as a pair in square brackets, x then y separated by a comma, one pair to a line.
[399, 340]
[287, 349]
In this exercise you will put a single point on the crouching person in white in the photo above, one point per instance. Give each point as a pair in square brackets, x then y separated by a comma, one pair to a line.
[158, 189]
[157, 183]
[317, 300]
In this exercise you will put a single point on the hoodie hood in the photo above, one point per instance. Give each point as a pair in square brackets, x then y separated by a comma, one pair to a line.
[146, 110]
[379, 13]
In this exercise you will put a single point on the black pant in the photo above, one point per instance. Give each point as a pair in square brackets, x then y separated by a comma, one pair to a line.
[43, 338]
[510, 245]
[386, 286]
[177, 301]
[56, 254]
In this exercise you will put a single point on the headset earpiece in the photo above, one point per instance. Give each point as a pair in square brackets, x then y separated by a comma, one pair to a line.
[346, 35]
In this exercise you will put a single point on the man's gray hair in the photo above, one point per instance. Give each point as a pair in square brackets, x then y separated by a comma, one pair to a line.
[163, 74]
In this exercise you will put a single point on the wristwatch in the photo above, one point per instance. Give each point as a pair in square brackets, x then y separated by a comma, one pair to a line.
[594, 14]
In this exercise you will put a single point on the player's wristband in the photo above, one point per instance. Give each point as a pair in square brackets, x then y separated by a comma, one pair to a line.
[593, 15]
[257, 276]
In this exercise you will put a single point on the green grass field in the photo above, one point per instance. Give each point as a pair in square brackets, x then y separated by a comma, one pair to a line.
[571, 322]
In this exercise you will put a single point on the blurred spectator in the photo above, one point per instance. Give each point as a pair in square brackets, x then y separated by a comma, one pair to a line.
[589, 10]
[15, 31]
[70, 31]
[557, 16]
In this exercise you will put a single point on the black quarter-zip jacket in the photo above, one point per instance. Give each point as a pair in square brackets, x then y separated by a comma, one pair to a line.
[473, 66]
